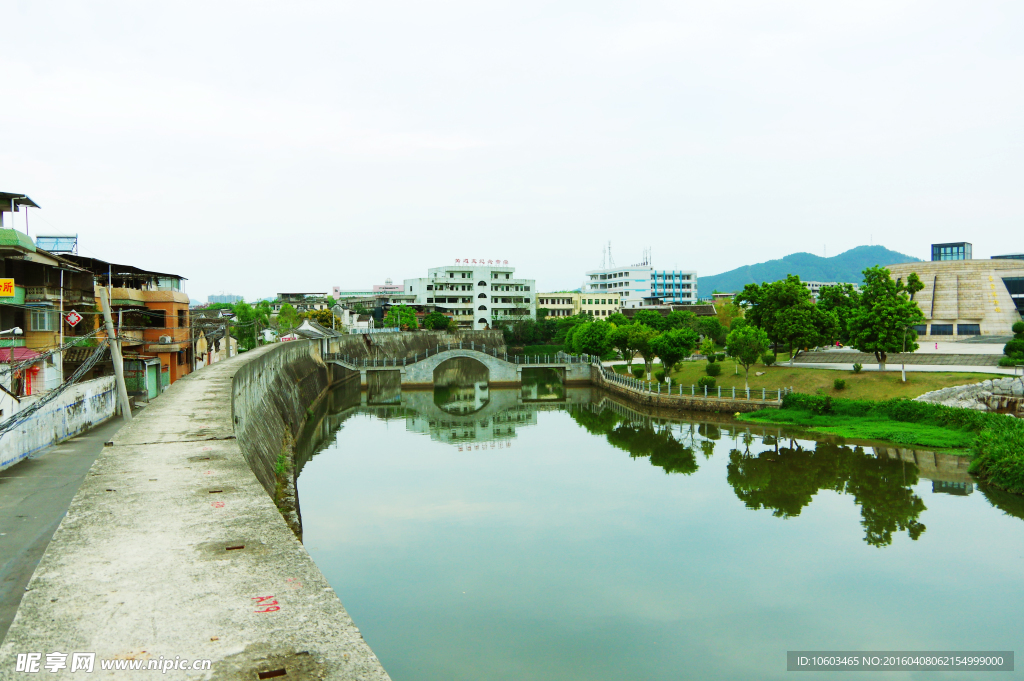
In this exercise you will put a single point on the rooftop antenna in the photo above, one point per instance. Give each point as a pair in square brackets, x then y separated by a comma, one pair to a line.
[611, 260]
[602, 259]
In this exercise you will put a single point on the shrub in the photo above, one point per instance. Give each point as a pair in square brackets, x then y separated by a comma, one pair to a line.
[1010, 361]
[659, 375]
[839, 384]
[720, 357]
[1014, 348]
[1018, 329]
[768, 359]
[707, 381]
[857, 367]
[638, 372]
[713, 369]
[998, 457]
[711, 359]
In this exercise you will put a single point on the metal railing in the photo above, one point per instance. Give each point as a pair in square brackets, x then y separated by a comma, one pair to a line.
[655, 388]
[534, 360]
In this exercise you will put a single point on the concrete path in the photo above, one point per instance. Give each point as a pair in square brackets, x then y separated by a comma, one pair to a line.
[34, 496]
[172, 551]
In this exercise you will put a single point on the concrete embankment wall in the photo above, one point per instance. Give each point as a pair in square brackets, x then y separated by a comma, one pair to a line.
[270, 399]
[75, 410]
[680, 402]
[172, 547]
[411, 343]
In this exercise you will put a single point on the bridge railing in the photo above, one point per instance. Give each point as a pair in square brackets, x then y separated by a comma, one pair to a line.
[533, 360]
[655, 388]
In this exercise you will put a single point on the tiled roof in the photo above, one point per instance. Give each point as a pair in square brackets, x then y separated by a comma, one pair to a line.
[79, 355]
[12, 237]
[20, 354]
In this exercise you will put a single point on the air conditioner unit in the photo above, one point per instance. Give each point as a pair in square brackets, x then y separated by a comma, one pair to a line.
[165, 339]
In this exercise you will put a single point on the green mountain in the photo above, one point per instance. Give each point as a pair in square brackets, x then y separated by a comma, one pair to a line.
[845, 267]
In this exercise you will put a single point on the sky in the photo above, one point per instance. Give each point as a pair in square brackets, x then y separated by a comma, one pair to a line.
[257, 147]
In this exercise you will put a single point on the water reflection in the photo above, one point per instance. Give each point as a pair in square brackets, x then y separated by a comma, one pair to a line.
[785, 479]
[543, 384]
[460, 386]
[765, 470]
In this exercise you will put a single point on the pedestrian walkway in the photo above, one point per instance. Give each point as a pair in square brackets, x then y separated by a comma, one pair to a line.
[917, 358]
[34, 496]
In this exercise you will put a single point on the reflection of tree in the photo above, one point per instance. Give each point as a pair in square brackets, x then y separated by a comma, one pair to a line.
[1007, 502]
[785, 480]
[640, 440]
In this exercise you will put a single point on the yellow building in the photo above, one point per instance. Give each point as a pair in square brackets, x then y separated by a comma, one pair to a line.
[569, 303]
[964, 298]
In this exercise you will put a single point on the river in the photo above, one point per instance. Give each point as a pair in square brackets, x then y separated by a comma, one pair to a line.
[556, 533]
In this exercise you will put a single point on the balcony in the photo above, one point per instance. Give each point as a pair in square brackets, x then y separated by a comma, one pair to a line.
[52, 294]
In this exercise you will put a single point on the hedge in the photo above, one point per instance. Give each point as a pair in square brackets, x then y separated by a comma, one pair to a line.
[897, 409]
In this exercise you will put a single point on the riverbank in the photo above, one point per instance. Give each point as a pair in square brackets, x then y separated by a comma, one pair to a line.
[995, 441]
[866, 385]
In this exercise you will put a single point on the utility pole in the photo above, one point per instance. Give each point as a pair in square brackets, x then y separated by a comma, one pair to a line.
[115, 357]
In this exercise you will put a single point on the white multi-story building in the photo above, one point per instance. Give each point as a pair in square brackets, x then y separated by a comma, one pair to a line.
[634, 283]
[477, 295]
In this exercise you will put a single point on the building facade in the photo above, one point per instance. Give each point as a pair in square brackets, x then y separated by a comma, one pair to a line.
[636, 282]
[961, 250]
[224, 298]
[569, 303]
[815, 287]
[475, 295]
[964, 298]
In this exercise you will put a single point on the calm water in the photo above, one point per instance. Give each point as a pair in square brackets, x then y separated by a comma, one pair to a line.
[553, 533]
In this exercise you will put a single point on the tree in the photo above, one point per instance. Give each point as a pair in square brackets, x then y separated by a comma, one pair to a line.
[727, 311]
[436, 321]
[707, 348]
[641, 337]
[840, 301]
[619, 339]
[592, 338]
[803, 326]
[883, 321]
[763, 303]
[680, 319]
[649, 318]
[914, 284]
[674, 346]
[401, 316]
[710, 327]
[287, 319]
[746, 345]
[618, 319]
[325, 318]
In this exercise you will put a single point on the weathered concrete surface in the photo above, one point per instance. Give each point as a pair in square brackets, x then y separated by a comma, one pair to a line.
[74, 411]
[141, 567]
[684, 402]
[34, 496]
[420, 374]
[407, 344]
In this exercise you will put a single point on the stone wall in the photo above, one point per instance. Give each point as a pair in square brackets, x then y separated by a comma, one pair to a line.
[998, 394]
[270, 398]
[75, 410]
[410, 343]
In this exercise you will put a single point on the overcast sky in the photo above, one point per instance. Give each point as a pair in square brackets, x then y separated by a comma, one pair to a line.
[262, 147]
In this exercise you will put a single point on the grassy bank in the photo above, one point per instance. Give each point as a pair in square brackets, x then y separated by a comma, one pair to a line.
[900, 421]
[872, 385]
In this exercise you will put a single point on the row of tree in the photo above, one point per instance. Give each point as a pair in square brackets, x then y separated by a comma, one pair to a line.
[880, 318]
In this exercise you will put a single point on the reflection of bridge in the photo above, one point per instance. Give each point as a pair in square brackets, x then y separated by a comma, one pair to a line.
[418, 371]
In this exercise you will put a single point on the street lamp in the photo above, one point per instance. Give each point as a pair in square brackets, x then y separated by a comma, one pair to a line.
[16, 331]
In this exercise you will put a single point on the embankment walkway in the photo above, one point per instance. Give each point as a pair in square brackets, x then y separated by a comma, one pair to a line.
[172, 548]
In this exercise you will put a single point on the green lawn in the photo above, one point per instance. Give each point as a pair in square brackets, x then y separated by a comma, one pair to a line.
[868, 428]
[867, 385]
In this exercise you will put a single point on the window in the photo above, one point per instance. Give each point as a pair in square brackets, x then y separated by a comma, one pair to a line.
[942, 329]
[508, 276]
[526, 300]
[526, 288]
[968, 329]
[430, 300]
[182, 320]
[482, 295]
[430, 287]
[482, 307]
[481, 283]
[482, 320]
[44, 320]
[156, 319]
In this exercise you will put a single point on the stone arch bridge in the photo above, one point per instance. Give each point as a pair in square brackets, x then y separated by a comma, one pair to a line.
[418, 371]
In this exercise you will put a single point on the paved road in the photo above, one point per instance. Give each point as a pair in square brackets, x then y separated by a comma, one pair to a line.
[34, 496]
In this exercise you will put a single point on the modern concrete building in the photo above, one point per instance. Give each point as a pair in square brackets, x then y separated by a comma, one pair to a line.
[964, 297]
[960, 250]
[477, 294]
[569, 303]
[224, 298]
[634, 283]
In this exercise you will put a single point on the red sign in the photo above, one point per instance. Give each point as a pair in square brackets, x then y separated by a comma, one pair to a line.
[73, 318]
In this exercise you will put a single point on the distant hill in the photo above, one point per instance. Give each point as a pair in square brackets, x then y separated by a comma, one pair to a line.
[845, 267]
